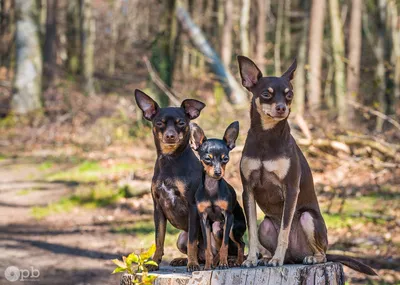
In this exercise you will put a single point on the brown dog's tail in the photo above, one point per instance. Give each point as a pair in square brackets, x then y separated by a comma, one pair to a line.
[352, 263]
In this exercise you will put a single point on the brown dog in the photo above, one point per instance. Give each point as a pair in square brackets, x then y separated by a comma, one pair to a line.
[276, 175]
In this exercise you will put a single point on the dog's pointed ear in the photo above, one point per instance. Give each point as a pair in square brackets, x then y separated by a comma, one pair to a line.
[289, 74]
[148, 106]
[192, 108]
[231, 135]
[249, 72]
[197, 137]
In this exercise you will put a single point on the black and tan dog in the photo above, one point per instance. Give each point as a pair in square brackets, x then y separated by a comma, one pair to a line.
[221, 216]
[276, 175]
[177, 174]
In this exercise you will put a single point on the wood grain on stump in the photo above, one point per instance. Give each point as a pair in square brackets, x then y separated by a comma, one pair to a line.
[319, 274]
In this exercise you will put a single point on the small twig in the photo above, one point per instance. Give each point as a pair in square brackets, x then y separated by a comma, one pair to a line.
[160, 83]
[376, 113]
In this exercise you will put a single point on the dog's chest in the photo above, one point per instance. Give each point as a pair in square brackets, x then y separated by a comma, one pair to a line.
[260, 171]
[170, 192]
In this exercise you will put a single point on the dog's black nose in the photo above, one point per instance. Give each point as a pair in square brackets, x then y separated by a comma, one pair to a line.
[280, 108]
[170, 136]
[217, 173]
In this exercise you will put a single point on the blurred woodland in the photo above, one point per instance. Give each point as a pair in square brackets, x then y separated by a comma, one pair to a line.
[76, 157]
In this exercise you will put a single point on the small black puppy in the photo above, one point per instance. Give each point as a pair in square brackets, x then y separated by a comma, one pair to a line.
[177, 175]
[216, 200]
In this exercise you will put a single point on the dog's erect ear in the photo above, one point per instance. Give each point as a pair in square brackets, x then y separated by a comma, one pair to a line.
[231, 134]
[146, 104]
[249, 71]
[192, 108]
[197, 137]
[289, 74]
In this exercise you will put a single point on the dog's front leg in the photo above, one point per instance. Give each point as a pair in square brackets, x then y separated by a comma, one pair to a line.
[249, 204]
[161, 224]
[292, 192]
[194, 224]
[206, 230]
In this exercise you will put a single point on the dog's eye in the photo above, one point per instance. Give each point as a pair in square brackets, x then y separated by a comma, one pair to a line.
[225, 159]
[159, 124]
[207, 159]
[181, 124]
[267, 95]
[289, 96]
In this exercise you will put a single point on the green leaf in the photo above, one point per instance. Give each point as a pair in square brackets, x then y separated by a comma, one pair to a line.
[119, 263]
[149, 279]
[132, 258]
[147, 254]
[118, 269]
[151, 262]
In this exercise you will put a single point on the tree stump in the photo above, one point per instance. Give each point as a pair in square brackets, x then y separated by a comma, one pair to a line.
[319, 274]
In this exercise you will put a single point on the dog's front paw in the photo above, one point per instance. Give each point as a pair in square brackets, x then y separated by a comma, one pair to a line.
[223, 265]
[251, 261]
[193, 266]
[275, 261]
[314, 259]
[264, 261]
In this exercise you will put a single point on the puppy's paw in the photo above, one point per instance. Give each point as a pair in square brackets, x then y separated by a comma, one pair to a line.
[264, 261]
[275, 261]
[193, 266]
[250, 262]
[223, 265]
[180, 261]
[314, 259]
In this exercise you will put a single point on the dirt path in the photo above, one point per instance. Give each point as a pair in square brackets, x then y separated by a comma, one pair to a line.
[66, 248]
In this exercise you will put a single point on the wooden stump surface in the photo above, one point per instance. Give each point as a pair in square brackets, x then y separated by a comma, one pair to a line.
[319, 274]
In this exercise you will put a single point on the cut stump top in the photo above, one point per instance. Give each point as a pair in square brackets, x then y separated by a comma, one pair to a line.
[319, 274]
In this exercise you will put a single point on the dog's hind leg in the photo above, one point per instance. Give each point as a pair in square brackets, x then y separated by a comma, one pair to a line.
[268, 237]
[181, 244]
[316, 234]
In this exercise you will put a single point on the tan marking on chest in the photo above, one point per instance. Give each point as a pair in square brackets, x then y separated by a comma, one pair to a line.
[267, 122]
[202, 206]
[278, 166]
[222, 204]
[248, 165]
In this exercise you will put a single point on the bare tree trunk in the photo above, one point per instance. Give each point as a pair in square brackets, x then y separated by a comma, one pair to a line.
[286, 31]
[73, 37]
[380, 56]
[231, 87]
[28, 75]
[114, 35]
[88, 34]
[49, 49]
[226, 47]
[278, 37]
[338, 56]
[244, 28]
[353, 68]
[300, 78]
[395, 22]
[263, 7]
[315, 52]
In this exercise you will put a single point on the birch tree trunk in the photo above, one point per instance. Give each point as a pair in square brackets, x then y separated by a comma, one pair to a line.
[28, 74]
[338, 63]
[263, 7]
[88, 31]
[244, 28]
[278, 38]
[226, 47]
[315, 52]
[353, 67]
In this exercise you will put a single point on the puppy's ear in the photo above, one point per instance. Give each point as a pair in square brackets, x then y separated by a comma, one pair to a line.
[289, 74]
[197, 137]
[192, 108]
[231, 134]
[249, 71]
[148, 106]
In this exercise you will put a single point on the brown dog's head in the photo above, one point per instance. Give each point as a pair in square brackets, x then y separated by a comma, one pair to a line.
[170, 125]
[272, 96]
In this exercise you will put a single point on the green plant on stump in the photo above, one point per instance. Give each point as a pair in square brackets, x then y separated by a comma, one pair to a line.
[136, 264]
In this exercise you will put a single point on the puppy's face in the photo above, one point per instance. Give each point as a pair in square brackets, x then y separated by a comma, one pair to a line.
[272, 96]
[170, 125]
[214, 153]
